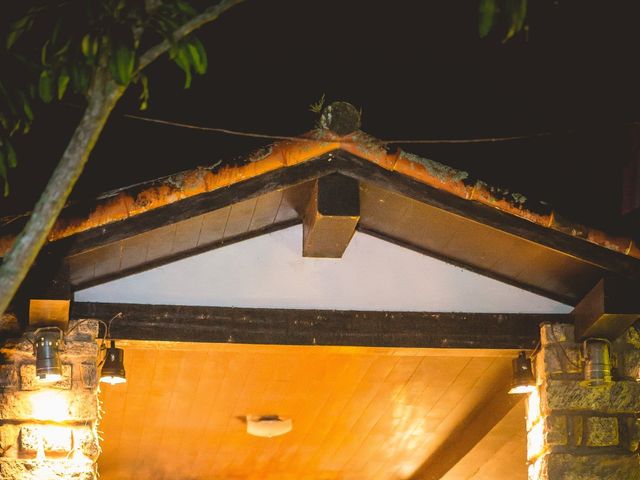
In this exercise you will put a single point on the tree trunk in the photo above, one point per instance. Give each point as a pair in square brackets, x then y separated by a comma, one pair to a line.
[15, 266]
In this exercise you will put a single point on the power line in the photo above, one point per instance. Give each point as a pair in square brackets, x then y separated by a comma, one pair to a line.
[304, 139]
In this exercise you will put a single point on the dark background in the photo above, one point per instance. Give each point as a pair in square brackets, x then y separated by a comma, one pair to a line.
[416, 68]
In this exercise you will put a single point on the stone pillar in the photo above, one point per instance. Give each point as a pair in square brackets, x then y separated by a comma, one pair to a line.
[580, 432]
[49, 432]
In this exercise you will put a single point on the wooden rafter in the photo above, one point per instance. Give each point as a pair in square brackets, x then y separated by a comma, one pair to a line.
[179, 323]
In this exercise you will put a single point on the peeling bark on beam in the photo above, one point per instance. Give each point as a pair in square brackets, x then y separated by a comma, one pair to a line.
[608, 310]
[177, 323]
[331, 216]
[470, 431]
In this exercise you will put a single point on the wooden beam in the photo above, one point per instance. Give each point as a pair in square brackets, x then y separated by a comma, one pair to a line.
[470, 431]
[331, 216]
[48, 279]
[199, 204]
[608, 310]
[49, 313]
[604, 258]
[177, 323]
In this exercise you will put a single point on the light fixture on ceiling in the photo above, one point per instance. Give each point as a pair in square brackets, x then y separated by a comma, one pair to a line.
[113, 367]
[597, 361]
[47, 351]
[523, 380]
[268, 426]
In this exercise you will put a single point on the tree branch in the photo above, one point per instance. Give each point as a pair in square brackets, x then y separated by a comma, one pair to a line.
[209, 15]
[24, 251]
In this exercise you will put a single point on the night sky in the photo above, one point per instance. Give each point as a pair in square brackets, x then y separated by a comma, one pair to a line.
[416, 68]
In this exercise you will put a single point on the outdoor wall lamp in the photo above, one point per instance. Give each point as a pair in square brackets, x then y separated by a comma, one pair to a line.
[49, 340]
[597, 361]
[523, 380]
[113, 367]
[47, 351]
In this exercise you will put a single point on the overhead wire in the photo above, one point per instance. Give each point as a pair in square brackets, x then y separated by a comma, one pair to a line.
[433, 141]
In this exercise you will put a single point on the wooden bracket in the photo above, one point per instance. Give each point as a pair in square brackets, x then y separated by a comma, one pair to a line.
[608, 310]
[49, 313]
[331, 216]
[46, 293]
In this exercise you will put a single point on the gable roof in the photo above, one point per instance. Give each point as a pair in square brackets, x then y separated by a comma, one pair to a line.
[401, 192]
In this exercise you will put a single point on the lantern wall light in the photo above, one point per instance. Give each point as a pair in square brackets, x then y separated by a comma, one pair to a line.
[523, 380]
[49, 341]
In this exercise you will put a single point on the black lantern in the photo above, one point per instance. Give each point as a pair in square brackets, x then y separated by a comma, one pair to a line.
[523, 381]
[113, 368]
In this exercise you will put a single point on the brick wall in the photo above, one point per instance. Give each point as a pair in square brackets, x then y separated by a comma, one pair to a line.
[48, 432]
[581, 432]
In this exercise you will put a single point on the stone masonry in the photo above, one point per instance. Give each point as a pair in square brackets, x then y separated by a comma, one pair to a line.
[582, 432]
[49, 432]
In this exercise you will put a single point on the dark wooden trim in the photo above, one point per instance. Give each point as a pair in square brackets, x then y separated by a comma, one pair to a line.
[200, 204]
[470, 431]
[608, 310]
[178, 323]
[184, 254]
[364, 170]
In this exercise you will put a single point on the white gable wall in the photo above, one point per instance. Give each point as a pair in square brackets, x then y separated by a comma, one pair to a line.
[269, 271]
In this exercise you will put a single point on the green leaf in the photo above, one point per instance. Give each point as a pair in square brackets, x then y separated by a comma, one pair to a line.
[63, 82]
[183, 61]
[56, 32]
[86, 45]
[121, 64]
[198, 56]
[144, 95]
[184, 7]
[43, 53]
[45, 86]
[487, 12]
[26, 106]
[516, 13]
[17, 28]
[12, 158]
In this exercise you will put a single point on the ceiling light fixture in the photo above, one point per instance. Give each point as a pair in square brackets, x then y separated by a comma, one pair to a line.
[523, 380]
[47, 351]
[268, 426]
[113, 367]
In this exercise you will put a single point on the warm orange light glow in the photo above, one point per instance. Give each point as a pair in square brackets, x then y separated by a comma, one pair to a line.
[520, 389]
[50, 405]
[535, 441]
[55, 438]
[535, 427]
[113, 380]
[50, 378]
[535, 470]
[533, 408]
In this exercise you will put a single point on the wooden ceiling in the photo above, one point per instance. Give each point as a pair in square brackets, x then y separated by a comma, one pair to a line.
[358, 413]
[499, 455]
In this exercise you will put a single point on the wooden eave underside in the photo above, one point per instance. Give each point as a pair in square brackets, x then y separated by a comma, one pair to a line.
[394, 207]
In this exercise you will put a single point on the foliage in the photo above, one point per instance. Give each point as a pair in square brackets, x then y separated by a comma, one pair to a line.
[53, 49]
[506, 16]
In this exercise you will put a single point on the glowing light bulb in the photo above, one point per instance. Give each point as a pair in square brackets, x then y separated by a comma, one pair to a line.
[111, 380]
